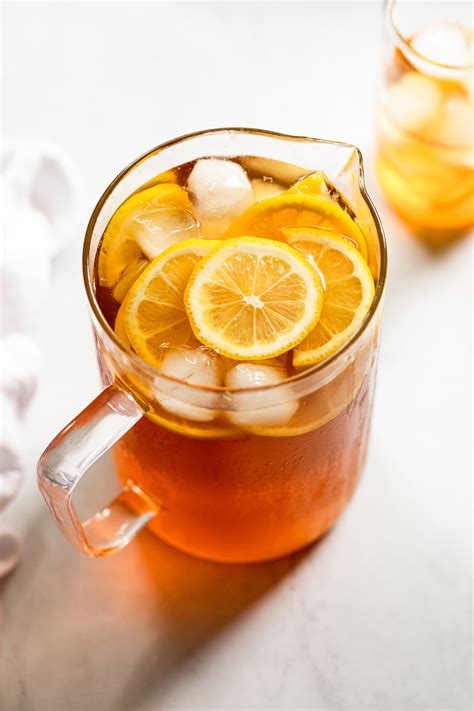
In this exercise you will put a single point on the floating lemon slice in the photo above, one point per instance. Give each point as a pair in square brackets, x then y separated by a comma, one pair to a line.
[349, 292]
[128, 278]
[154, 314]
[253, 298]
[269, 217]
[314, 184]
[119, 326]
[119, 247]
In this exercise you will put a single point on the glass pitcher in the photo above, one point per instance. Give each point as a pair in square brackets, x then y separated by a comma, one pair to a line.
[214, 487]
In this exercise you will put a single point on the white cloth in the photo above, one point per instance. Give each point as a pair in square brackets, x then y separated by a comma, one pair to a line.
[39, 215]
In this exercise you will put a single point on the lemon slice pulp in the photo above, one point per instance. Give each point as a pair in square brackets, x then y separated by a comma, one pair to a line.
[253, 298]
[314, 184]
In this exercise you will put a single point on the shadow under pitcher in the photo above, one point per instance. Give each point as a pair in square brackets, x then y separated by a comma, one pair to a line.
[235, 280]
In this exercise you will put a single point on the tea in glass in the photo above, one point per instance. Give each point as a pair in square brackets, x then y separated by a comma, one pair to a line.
[425, 123]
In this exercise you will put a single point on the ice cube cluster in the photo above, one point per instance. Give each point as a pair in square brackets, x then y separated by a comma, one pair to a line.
[436, 99]
[220, 191]
[201, 366]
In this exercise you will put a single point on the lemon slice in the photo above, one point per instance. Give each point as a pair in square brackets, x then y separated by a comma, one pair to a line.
[154, 313]
[315, 184]
[294, 209]
[119, 247]
[318, 184]
[119, 326]
[129, 276]
[253, 298]
[348, 292]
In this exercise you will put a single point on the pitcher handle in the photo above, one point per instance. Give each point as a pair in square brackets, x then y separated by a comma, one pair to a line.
[71, 454]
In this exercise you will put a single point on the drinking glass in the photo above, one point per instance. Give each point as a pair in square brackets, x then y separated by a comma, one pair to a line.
[425, 118]
[223, 490]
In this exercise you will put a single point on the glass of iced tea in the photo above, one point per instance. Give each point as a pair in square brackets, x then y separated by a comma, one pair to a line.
[235, 281]
[425, 119]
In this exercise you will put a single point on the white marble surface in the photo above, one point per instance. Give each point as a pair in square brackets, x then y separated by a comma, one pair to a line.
[377, 616]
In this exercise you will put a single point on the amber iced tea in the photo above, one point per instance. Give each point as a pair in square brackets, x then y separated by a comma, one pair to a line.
[425, 127]
[272, 475]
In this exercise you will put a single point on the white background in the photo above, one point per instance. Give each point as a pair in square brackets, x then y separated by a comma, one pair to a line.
[375, 617]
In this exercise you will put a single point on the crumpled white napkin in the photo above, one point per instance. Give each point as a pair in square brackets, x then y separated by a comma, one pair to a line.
[39, 215]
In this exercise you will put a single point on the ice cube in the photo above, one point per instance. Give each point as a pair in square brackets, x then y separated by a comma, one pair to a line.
[456, 123]
[256, 375]
[263, 189]
[156, 230]
[197, 366]
[413, 101]
[446, 44]
[220, 190]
